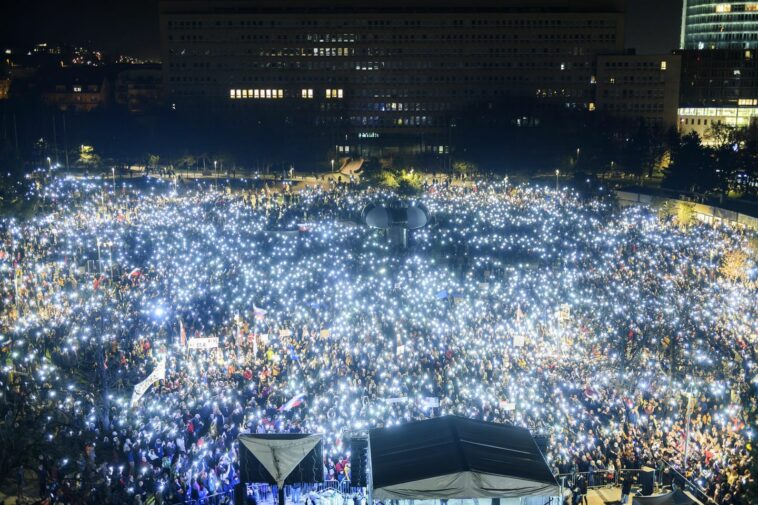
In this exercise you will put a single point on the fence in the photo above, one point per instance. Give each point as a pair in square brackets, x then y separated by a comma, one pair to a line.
[597, 479]
[265, 493]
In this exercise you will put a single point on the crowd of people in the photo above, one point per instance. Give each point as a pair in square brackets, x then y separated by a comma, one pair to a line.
[614, 332]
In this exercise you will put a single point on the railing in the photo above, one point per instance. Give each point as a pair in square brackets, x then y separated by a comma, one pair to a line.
[226, 498]
[265, 493]
[596, 479]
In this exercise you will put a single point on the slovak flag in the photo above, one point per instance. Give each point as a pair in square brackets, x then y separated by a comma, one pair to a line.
[295, 401]
[259, 313]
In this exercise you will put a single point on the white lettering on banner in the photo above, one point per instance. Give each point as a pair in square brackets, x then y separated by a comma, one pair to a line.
[159, 373]
[429, 402]
[203, 343]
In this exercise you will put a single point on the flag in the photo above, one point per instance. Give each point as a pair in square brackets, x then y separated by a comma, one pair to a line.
[182, 334]
[259, 313]
[295, 401]
[441, 295]
[519, 314]
[135, 273]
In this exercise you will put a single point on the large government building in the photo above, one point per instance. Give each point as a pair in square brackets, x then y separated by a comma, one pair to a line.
[388, 75]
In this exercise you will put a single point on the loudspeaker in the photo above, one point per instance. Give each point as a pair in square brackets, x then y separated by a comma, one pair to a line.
[358, 462]
[647, 477]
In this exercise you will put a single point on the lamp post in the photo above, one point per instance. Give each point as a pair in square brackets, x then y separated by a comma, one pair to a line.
[332, 165]
[557, 173]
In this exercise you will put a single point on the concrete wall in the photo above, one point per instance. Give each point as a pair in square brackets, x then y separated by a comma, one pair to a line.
[702, 212]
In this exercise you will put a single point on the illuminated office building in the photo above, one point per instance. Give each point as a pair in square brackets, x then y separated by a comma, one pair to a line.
[384, 75]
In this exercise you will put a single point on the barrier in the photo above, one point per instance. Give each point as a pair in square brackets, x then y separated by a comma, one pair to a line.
[599, 478]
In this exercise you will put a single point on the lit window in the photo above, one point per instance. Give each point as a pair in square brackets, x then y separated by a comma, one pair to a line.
[256, 93]
[724, 8]
[244, 94]
[592, 106]
[333, 93]
[77, 89]
[280, 93]
[268, 93]
[664, 65]
[306, 93]
[751, 7]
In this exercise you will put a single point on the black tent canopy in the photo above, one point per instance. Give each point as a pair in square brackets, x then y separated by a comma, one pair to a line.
[453, 457]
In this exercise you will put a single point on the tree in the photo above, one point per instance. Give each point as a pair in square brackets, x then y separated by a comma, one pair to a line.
[153, 160]
[463, 167]
[88, 158]
[691, 168]
[734, 265]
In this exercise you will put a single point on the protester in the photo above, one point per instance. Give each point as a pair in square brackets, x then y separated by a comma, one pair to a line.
[615, 332]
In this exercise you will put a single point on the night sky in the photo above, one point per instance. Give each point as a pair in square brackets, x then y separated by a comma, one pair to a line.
[131, 26]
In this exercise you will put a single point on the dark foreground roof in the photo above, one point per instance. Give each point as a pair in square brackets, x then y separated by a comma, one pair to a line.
[452, 445]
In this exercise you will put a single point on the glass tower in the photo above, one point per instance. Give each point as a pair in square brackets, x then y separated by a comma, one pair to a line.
[709, 24]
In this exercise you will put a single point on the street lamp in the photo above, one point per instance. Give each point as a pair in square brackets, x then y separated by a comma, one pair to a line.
[557, 173]
[332, 165]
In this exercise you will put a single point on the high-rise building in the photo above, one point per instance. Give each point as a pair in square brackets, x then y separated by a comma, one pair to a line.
[718, 87]
[639, 87]
[719, 68]
[380, 75]
[719, 24]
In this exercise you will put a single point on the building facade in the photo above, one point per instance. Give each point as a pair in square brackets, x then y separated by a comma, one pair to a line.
[139, 88]
[639, 87]
[76, 89]
[719, 24]
[373, 78]
[718, 87]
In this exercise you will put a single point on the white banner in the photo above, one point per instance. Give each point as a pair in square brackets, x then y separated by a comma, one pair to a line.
[519, 340]
[202, 343]
[398, 399]
[285, 333]
[159, 373]
[429, 402]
